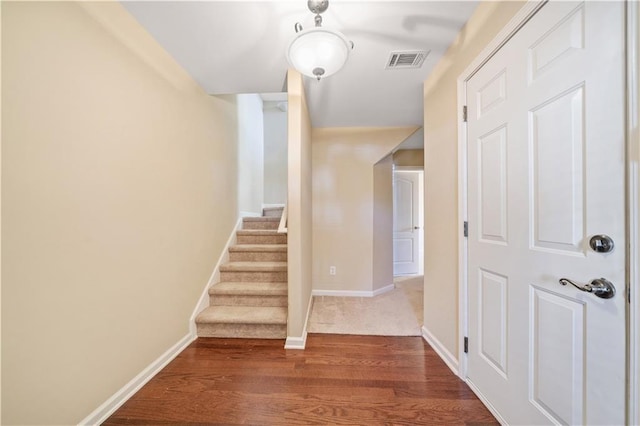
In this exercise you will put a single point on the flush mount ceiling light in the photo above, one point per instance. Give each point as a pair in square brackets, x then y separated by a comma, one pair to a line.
[318, 52]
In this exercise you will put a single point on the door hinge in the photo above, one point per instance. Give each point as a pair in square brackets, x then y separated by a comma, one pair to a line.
[465, 228]
[628, 294]
[466, 345]
[464, 114]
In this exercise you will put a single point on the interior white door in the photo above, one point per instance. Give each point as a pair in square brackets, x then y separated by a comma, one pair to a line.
[406, 223]
[545, 174]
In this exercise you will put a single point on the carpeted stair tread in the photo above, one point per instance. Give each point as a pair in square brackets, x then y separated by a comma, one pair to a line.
[254, 267]
[249, 252]
[260, 223]
[249, 289]
[257, 232]
[243, 315]
[261, 219]
[260, 236]
[258, 248]
[272, 212]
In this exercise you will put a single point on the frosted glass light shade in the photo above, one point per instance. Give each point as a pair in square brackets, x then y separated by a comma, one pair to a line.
[318, 52]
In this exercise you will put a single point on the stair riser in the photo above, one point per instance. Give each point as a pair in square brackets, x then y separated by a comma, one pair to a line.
[272, 213]
[260, 225]
[262, 239]
[243, 331]
[244, 276]
[257, 256]
[244, 300]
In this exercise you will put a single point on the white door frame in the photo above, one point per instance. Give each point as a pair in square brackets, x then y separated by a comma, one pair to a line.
[633, 203]
[633, 193]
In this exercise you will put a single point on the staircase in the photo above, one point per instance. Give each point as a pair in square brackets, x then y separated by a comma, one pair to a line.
[250, 301]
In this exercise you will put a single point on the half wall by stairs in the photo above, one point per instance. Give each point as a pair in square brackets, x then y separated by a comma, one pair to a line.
[250, 301]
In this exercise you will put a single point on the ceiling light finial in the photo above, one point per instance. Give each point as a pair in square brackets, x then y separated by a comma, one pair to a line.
[318, 6]
[318, 52]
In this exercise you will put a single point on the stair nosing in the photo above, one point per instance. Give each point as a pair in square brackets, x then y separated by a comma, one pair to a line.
[259, 232]
[244, 248]
[251, 288]
[251, 266]
[204, 317]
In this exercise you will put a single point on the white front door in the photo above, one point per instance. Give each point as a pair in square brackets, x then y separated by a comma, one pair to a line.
[546, 161]
[406, 222]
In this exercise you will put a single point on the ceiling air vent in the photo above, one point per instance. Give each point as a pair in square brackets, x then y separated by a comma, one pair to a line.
[406, 60]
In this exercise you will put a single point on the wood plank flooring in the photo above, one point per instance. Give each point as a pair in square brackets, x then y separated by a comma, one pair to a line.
[337, 379]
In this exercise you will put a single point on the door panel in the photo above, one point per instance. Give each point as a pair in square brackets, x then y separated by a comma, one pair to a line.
[564, 39]
[546, 173]
[557, 161]
[492, 185]
[557, 381]
[492, 309]
[492, 94]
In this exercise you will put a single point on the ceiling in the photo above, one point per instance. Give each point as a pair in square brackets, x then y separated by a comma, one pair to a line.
[239, 47]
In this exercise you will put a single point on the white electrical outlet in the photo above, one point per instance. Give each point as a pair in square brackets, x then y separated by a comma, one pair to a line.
[332, 270]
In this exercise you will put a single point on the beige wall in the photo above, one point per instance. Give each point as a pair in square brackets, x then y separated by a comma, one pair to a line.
[343, 201]
[118, 196]
[383, 223]
[441, 169]
[409, 157]
[299, 206]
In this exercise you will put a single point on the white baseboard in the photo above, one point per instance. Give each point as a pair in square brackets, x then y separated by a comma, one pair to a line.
[486, 402]
[269, 206]
[100, 414]
[353, 293]
[296, 342]
[383, 290]
[442, 352]
[203, 302]
[300, 342]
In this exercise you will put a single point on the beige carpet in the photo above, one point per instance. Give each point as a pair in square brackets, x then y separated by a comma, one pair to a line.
[395, 313]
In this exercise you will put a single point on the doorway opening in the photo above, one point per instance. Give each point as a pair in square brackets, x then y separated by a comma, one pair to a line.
[262, 152]
[408, 221]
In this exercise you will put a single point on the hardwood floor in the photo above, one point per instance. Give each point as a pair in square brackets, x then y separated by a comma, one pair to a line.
[338, 379]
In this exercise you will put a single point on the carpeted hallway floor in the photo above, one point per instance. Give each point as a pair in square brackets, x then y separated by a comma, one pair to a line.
[395, 313]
